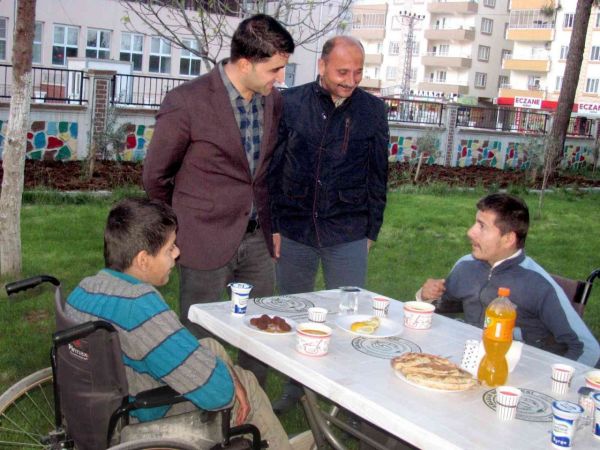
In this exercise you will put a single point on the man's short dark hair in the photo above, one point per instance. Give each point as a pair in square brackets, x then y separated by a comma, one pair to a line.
[258, 38]
[133, 225]
[512, 214]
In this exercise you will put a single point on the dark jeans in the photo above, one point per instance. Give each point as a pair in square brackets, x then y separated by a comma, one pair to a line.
[251, 264]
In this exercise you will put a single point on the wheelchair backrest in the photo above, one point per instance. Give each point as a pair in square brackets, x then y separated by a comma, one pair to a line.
[91, 382]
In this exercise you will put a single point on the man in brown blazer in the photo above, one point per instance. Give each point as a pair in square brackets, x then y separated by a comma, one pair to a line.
[208, 158]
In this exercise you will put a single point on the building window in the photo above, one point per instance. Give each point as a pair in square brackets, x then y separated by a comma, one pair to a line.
[416, 47]
[533, 82]
[368, 20]
[591, 85]
[37, 44]
[480, 79]
[503, 81]
[595, 56]
[564, 51]
[529, 18]
[506, 54]
[390, 73]
[394, 48]
[65, 44]
[413, 74]
[597, 20]
[379, 47]
[440, 76]
[189, 63]
[487, 25]
[558, 84]
[3, 21]
[568, 20]
[160, 56]
[489, 3]
[132, 49]
[98, 44]
[483, 53]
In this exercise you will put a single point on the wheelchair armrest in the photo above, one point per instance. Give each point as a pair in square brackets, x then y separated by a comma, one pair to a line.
[159, 396]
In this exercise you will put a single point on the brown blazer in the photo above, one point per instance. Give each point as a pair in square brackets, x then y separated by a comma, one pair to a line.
[197, 164]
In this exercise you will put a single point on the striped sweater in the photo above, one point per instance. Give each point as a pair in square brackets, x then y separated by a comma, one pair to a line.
[157, 348]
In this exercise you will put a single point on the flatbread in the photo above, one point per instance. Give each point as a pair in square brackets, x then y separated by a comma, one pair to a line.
[433, 371]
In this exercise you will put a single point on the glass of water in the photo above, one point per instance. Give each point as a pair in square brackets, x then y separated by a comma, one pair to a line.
[349, 299]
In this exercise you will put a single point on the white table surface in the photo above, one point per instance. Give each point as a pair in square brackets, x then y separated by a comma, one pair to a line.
[367, 386]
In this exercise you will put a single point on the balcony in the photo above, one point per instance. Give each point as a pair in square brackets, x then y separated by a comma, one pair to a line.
[450, 34]
[534, 91]
[452, 7]
[446, 88]
[542, 34]
[443, 60]
[369, 34]
[527, 65]
[532, 4]
[370, 83]
[373, 59]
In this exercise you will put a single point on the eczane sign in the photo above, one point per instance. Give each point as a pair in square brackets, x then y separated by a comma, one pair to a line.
[589, 108]
[528, 102]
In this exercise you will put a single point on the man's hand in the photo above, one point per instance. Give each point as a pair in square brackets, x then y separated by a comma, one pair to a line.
[433, 289]
[369, 244]
[277, 245]
[242, 399]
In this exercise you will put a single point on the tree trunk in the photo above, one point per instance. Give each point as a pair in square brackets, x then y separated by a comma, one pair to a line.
[556, 137]
[13, 158]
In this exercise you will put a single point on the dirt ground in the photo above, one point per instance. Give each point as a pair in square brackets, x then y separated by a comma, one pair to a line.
[69, 176]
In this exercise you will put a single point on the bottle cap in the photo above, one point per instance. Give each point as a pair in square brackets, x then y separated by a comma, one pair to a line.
[503, 292]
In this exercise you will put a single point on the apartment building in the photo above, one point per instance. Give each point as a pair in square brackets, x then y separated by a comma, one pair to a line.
[456, 47]
[541, 32]
[80, 34]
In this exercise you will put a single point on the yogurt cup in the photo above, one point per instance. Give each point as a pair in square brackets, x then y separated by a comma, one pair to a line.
[418, 315]
[564, 423]
[239, 297]
[596, 422]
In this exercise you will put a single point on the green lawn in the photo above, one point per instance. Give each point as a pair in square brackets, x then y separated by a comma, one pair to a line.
[423, 235]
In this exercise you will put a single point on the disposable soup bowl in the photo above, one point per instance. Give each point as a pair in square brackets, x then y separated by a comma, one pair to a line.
[592, 379]
[418, 315]
[312, 338]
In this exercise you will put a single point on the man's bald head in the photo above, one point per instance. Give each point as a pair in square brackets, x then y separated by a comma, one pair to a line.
[347, 41]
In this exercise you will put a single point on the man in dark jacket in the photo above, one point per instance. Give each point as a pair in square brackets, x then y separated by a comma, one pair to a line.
[327, 180]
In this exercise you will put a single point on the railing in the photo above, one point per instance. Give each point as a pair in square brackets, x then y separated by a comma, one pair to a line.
[580, 126]
[50, 85]
[502, 119]
[142, 90]
[414, 111]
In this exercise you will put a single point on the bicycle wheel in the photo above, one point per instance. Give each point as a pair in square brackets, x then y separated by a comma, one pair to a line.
[27, 412]
[154, 444]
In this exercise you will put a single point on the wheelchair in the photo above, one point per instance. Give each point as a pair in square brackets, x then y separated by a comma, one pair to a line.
[82, 400]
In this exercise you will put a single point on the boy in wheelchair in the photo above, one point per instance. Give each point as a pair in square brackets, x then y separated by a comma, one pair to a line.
[139, 253]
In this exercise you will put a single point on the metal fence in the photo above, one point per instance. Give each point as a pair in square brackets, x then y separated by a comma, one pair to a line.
[141, 90]
[50, 85]
[414, 111]
[502, 119]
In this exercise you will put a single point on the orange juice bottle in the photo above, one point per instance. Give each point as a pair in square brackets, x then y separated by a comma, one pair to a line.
[500, 317]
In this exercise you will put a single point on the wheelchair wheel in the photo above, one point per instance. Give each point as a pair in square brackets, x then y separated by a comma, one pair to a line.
[27, 412]
[154, 444]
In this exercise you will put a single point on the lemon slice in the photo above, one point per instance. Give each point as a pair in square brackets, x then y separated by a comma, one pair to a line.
[373, 321]
[365, 329]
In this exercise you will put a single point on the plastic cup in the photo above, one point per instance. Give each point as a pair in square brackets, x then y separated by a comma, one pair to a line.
[418, 315]
[240, 292]
[507, 400]
[471, 356]
[312, 339]
[349, 299]
[381, 306]
[561, 378]
[316, 314]
[564, 423]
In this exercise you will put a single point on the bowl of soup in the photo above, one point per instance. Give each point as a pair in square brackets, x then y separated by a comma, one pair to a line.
[312, 339]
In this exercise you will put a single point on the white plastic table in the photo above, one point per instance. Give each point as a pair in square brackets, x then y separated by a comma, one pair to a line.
[367, 386]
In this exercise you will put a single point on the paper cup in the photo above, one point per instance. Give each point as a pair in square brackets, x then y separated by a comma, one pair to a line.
[240, 292]
[418, 315]
[316, 314]
[507, 400]
[596, 429]
[381, 304]
[564, 423]
[313, 338]
[471, 356]
[561, 378]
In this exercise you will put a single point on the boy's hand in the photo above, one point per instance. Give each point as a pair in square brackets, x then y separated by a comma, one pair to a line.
[242, 399]
[433, 289]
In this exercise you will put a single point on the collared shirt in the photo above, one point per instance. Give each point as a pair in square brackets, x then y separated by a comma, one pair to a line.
[249, 117]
